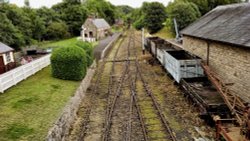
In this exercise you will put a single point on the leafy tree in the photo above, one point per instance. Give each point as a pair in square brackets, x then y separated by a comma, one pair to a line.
[27, 3]
[47, 15]
[184, 12]
[37, 24]
[207, 5]
[57, 30]
[73, 14]
[102, 9]
[155, 16]
[9, 34]
[19, 19]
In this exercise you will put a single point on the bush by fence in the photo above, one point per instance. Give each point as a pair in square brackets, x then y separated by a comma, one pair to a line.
[88, 49]
[16, 75]
[69, 63]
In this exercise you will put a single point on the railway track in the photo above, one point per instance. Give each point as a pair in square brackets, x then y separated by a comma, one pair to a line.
[94, 91]
[137, 104]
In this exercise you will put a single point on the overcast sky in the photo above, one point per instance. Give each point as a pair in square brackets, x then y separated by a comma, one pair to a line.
[49, 3]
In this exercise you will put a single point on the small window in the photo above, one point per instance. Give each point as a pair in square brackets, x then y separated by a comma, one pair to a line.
[86, 35]
[8, 58]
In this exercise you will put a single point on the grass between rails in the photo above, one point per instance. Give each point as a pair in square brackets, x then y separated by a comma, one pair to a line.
[29, 109]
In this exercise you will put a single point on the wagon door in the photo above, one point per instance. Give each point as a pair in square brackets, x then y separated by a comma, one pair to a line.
[2, 70]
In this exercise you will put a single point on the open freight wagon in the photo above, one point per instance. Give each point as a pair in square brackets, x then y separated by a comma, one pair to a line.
[205, 96]
[181, 64]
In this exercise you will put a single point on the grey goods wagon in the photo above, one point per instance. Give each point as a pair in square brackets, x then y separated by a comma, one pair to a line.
[186, 69]
[181, 64]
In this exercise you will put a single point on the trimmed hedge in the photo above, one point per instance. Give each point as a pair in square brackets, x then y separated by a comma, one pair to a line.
[69, 63]
[88, 49]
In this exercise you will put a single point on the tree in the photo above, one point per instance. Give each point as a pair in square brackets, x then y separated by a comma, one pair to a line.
[102, 9]
[9, 34]
[155, 16]
[57, 30]
[27, 3]
[73, 14]
[48, 15]
[207, 5]
[184, 12]
[19, 19]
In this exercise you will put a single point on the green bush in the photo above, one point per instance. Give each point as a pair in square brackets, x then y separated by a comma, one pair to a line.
[88, 49]
[69, 63]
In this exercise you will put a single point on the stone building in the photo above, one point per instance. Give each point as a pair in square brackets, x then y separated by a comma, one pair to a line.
[7, 61]
[222, 39]
[94, 29]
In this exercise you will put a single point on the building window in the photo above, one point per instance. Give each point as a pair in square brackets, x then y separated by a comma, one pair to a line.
[8, 57]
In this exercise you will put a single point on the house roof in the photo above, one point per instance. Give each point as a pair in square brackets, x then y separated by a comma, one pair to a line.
[227, 24]
[4, 48]
[101, 23]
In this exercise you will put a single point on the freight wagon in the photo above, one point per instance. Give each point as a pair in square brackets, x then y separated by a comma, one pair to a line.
[205, 96]
[181, 64]
[187, 71]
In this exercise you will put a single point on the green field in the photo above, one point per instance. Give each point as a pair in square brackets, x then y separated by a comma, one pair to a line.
[165, 33]
[28, 110]
[62, 43]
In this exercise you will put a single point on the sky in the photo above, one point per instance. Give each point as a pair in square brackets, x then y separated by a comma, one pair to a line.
[49, 3]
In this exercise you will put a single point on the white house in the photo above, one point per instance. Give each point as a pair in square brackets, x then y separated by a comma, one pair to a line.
[7, 61]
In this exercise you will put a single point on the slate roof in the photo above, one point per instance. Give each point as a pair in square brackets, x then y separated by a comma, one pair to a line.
[228, 24]
[101, 23]
[4, 48]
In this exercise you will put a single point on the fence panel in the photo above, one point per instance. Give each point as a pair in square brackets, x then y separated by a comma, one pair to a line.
[16, 75]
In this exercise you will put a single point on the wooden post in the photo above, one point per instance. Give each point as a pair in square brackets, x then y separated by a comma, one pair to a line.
[208, 52]
[143, 47]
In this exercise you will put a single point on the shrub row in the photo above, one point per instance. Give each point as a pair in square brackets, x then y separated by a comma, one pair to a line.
[70, 63]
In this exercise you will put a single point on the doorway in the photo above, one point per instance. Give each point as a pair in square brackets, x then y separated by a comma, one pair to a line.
[2, 68]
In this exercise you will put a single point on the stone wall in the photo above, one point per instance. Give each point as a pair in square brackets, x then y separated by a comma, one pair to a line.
[60, 130]
[230, 63]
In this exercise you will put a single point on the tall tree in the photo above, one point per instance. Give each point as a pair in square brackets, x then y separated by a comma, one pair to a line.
[184, 12]
[27, 3]
[73, 14]
[155, 16]
[9, 34]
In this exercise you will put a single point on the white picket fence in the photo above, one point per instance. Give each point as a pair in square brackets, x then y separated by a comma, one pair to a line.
[16, 75]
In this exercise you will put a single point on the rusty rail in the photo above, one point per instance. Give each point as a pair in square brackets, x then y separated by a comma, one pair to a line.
[234, 103]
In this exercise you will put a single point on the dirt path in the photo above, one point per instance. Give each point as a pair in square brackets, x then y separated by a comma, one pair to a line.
[110, 108]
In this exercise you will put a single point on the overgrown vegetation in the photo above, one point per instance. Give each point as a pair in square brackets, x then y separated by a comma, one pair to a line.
[29, 109]
[23, 26]
[69, 63]
[153, 16]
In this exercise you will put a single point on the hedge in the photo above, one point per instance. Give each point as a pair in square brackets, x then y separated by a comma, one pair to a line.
[69, 63]
[88, 49]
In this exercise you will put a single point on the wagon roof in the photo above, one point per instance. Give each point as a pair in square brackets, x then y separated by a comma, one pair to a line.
[4, 48]
[227, 24]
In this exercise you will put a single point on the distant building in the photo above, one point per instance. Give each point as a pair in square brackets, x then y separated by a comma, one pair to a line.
[95, 29]
[222, 39]
[7, 61]
[119, 23]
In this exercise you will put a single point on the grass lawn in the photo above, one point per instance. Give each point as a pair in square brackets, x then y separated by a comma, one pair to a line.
[165, 33]
[62, 43]
[28, 110]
